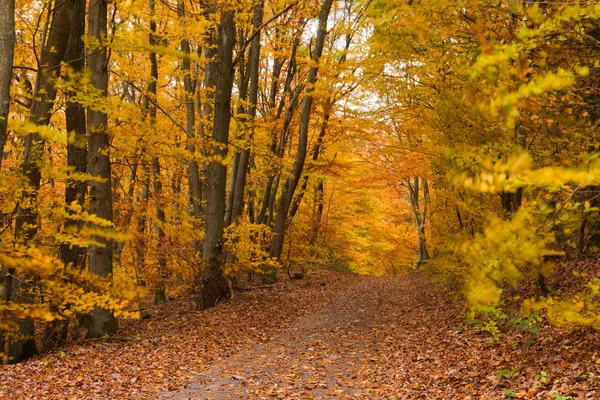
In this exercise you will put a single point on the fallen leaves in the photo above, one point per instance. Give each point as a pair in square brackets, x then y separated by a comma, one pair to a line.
[354, 338]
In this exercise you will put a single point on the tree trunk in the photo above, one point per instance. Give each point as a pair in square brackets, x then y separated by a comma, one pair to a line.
[213, 285]
[27, 219]
[267, 201]
[292, 182]
[7, 45]
[318, 215]
[253, 66]
[420, 213]
[315, 157]
[55, 334]
[76, 128]
[160, 295]
[194, 182]
[100, 259]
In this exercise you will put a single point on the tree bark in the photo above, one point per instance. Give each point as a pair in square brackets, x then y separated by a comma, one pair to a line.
[318, 214]
[160, 295]
[100, 259]
[292, 182]
[267, 205]
[194, 182]
[420, 213]
[315, 157]
[213, 285]
[7, 45]
[253, 66]
[76, 128]
[55, 334]
[27, 219]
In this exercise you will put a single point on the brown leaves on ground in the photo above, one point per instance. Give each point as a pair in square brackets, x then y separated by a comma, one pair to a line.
[354, 337]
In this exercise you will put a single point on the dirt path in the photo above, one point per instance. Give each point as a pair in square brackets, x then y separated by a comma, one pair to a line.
[331, 336]
[401, 338]
[329, 354]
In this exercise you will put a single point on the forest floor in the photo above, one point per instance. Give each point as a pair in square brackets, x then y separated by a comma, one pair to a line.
[331, 336]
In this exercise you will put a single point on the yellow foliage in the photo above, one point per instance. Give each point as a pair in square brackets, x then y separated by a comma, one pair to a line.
[249, 245]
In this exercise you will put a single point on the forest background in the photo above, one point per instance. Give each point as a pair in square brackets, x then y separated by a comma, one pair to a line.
[181, 148]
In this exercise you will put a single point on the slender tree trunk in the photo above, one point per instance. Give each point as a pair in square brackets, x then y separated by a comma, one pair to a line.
[27, 219]
[55, 334]
[292, 182]
[253, 66]
[420, 213]
[194, 181]
[213, 285]
[206, 109]
[140, 243]
[318, 215]
[160, 295]
[232, 182]
[242, 86]
[7, 43]
[100, 259]
[267, 203]
[76, 128]
[315, 157]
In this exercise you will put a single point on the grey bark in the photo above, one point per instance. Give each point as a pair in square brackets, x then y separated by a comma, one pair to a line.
[160, 294]
[7, 42]
[194, 182]
[267, 201]
[55, 333]
[420, 213]
[318, 214]
[27, 219]
[315, 157]
[240, 129]
[253, 66]
[100, 257]
[292, 182]
[213, 285]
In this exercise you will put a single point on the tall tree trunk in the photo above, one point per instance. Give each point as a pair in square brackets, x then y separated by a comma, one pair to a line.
[242, 86]
[55, 334]
[7, 45]
[318, 214]
[292, 182]
[265, 213]
[141, 242]
[27, 219]
[160, 295]
[205, 109]
[76, 128]
[194, 183]
[253, 66]
[100, 259]
[315, 157]
[213, 285]
[420, 213]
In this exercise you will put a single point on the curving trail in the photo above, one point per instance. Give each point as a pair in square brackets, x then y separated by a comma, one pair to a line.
[331, 336]
[398, 338]
[359, 345]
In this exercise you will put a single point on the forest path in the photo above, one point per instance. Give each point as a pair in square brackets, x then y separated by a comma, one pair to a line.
[347, 349]
[331, 336]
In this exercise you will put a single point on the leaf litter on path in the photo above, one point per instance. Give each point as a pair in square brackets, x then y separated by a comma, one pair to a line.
[331, 336]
